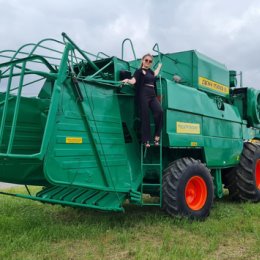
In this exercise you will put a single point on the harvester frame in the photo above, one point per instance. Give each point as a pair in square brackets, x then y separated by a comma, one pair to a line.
[79, 138]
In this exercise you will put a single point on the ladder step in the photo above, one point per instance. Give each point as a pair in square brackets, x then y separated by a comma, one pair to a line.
[151, 187]
[152, 184]
[152, 204]
[151, 164]
[152, 144]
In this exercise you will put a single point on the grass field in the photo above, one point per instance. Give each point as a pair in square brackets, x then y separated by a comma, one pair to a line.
[31, 230]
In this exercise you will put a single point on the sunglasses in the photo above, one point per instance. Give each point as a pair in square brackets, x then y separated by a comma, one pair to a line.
[149, 61]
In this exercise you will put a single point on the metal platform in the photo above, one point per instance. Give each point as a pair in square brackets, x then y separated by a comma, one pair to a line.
[80, 197]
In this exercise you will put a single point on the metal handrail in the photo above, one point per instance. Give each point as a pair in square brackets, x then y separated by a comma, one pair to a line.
[12, 65]
[29, 58]
[6, 105]
[101, 53]
[132, 46]
[92, 64]
[157, 49]
[16, 110]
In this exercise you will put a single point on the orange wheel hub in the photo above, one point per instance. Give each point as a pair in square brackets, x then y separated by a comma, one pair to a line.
[196, 192]
[257, 174]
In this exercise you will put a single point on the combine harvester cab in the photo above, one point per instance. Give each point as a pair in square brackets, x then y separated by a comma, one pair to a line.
[79, 137]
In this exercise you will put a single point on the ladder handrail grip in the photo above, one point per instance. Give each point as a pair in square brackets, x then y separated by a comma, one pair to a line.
[156, 45]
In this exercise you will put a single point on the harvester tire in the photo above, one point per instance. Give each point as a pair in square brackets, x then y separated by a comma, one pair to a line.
[188, 189]
[243, 182]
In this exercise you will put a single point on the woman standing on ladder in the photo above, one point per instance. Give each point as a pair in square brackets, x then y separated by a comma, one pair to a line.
[144, 80]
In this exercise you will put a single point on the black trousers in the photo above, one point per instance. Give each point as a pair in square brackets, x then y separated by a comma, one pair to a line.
[148, 101]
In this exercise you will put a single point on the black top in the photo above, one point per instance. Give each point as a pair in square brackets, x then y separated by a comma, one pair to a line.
[149, 77]
[143, 79]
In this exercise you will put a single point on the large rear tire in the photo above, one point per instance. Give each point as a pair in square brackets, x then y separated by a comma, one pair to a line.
[243, 182]
[187, 189]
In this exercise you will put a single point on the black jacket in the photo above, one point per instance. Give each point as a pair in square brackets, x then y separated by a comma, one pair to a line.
[139, 85]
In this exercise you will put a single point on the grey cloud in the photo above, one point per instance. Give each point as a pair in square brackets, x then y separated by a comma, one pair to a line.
[223, 30]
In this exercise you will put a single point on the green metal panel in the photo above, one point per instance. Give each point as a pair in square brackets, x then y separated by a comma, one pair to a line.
[29, 127]
[222, 152]
[221, 128]
[220, 131]
[69, 162]
[183, 98]
[198, 71]
[183, 139]
[131, 134]
[22, 171]
[27, 140]
[215, 74]
[253, 107]
[178, 64]
[218, 183]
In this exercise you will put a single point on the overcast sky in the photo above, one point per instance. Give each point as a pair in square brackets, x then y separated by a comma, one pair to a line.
[225, 30]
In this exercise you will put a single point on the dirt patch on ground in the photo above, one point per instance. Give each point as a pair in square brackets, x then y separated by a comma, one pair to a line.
[236, 250]
[4, 185]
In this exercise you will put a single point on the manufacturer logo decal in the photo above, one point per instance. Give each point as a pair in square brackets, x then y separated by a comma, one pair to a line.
[206, 83]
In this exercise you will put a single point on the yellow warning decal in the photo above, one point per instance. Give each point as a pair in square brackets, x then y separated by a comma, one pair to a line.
[194, 144]
[213, 85]
[187, 128]
[74, 140]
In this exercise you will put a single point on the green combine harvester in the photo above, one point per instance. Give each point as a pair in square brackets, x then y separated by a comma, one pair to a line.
[79, 136]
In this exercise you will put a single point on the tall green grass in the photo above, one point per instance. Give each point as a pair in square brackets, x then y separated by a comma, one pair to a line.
[31, 230]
